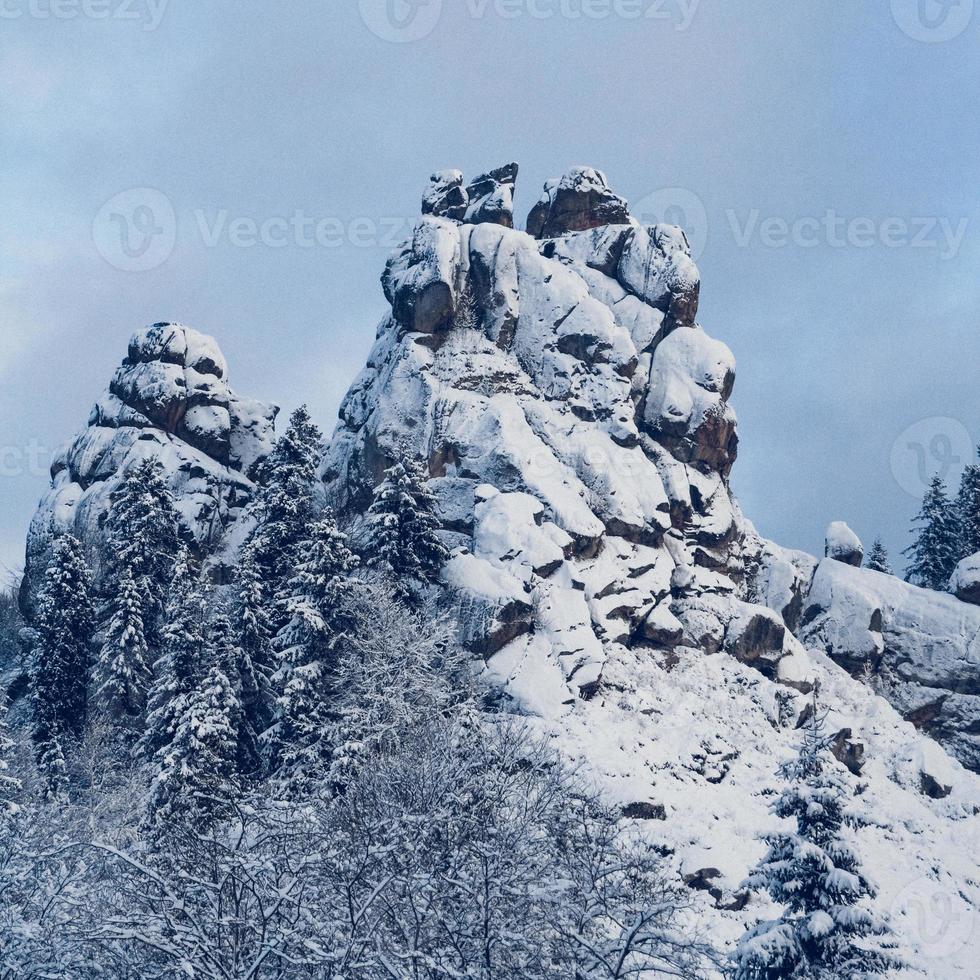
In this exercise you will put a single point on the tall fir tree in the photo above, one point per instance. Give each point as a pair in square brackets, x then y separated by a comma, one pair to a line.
[143, 540]
[63, 635]
[196, 781]
[223, 649]
[122, 674]
[285, 508]
[877, 558]
[10, 785]
[178, 666]
[968, 512]
[826, 930]
[320, 620]
[933, 554]
[257, 665]
[402, 533]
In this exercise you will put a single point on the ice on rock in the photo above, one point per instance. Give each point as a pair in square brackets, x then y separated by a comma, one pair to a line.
[842, 544]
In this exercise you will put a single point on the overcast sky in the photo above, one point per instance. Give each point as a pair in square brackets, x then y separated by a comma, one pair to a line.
[823, 157]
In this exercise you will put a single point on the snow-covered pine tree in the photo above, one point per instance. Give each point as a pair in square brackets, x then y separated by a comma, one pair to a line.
[253, 638]
[285, 508]
[402, 531]
[223, 650]
[10, 785]
[968, 512]
[826, 930]
[63, 631]
[196, 783]
[933, 554]
[178, 666]
[122, 673]
[320, 620]
[877, 558]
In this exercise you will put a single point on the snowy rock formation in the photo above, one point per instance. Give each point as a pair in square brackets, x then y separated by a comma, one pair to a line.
[575, 424]
[169, 399]
[574, 421]
[964, 583]
[842, 544]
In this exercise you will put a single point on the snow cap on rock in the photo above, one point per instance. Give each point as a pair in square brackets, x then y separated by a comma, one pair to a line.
[843, 544]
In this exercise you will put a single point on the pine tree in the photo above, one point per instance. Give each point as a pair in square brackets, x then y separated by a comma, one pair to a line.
[826, 930]
[968, 512]
[196, 782]
[403, 540]
[933, 555]
[10, 786]
[143, 538]
[181, 658]
[254, 637]
[877, 559]
[223, 650]
[63, 632]
[285, 508]
[319, 621]
[122, 673]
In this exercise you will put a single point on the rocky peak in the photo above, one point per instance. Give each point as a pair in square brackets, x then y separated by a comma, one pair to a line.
[577, 201]
[169, 399]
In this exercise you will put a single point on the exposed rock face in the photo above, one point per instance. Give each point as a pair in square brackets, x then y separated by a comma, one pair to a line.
[965, 580]
[921, 648]
[579, 200]
[842, 544]
[488, 198]
[169, 399]
[575, 425]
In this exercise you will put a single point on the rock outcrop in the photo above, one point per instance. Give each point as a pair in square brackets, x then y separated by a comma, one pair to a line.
[169, 399]
[573, 419]
[964, 583]
[842, 544]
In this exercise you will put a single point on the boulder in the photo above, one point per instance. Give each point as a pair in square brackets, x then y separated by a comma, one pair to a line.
[964, 583]
[491, 197]
[445, 196]
[843, 545]
[579, 200]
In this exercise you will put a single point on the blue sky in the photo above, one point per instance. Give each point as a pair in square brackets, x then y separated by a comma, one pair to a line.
[823, 156]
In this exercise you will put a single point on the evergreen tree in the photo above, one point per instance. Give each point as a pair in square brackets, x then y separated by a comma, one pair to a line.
[968, 512]
[254, 637]
[877, 559]
[285, 508]
[178, 666]
[223, 650]
[10, 786]
[122, 673]
[826, 930]
[143, 537]
[196, 782]
[63, 632]
[320, 620]
[933, 555]
[403, 539]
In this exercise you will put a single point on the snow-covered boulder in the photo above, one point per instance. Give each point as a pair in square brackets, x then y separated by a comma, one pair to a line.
[920, 647]
[578, 200]
[169, 400]
[964, 583]
[842, 544]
